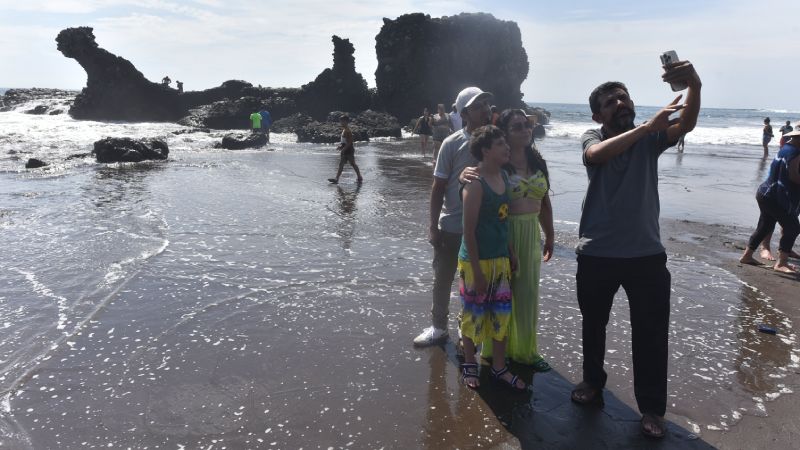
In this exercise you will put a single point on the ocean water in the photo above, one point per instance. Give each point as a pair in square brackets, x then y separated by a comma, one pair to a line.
[236, 299]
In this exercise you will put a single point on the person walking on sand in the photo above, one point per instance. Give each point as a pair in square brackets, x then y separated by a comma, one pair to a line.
[255, 122]
[778, 200]
[486, 260]
[424, 129]
[347, 152]
[444, 232]
[766, 136]
[619, 239]
[530, 211]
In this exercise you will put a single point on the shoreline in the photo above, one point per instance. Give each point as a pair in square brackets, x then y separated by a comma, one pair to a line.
[721, 246]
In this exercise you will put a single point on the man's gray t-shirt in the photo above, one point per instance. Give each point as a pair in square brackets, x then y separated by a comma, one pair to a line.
[621, 207]
[453, 157]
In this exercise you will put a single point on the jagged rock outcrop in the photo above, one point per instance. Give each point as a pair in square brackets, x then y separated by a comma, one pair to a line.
[423, 61]
[365, 125]
[336, 88]
[114, 90]
[110, 150]
[239, 141]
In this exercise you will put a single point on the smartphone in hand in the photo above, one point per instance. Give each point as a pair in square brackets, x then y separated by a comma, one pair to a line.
[670, 57]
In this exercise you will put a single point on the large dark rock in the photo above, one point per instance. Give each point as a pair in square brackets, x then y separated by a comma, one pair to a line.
[336, 88]
[114, 90]
[110, 150]
[291, 123]
[235, 114]
[423, 61]
[239, 141]
[364, 126]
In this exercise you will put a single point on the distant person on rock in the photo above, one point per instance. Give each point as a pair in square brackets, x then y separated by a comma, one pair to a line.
[441, 128]
[446, 209]
[424, 128]
[166, 81]
[266, 122]
[180, 86]
[766, 136]
[255, 122]
[347, 152]
[778, 200]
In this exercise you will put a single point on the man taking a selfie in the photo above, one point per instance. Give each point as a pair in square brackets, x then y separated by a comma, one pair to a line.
[620, 241]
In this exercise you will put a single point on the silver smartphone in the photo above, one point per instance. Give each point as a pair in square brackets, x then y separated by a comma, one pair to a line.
[670, 57]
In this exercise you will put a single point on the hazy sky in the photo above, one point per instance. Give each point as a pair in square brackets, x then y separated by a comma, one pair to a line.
[741, 48]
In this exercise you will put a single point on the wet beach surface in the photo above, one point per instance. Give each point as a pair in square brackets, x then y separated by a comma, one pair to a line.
[237, 300]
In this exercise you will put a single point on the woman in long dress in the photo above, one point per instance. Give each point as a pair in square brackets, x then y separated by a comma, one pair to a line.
[530, 214]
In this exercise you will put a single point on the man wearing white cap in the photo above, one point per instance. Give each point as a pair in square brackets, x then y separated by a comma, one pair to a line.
[445, 230]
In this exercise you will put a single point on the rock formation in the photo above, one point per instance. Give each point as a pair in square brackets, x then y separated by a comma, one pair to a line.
[114, 90]
[423, 61]
[110, 150]
[365, 125]
[338, 88]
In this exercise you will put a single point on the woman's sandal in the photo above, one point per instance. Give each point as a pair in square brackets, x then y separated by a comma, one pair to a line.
[653, 426]
[586, 394]
[541, 366]
[497, 375]
[469, 370]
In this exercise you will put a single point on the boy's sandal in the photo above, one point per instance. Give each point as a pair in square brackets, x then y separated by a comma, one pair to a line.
[497, 375]
[586, 394]
[469, 370]
[653, 426]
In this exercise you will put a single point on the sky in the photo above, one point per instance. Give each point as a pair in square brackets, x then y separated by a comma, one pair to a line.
[741, 49]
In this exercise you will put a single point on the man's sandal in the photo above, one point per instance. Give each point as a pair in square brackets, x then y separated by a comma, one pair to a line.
[497, 375]
[586, 394]
[653, 426]
[469, 370]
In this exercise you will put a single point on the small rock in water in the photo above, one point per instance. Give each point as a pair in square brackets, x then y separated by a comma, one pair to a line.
[34, 163]
[41, 109]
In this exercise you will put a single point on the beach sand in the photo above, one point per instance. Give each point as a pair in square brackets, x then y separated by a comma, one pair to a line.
[722, 246]
[283, 319]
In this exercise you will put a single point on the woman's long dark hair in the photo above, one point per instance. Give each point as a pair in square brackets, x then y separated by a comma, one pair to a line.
[532, 155]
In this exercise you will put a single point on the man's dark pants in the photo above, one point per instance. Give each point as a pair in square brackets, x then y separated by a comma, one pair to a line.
[646, 281]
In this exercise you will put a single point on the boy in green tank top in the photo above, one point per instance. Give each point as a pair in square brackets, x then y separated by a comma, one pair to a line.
[485, 260]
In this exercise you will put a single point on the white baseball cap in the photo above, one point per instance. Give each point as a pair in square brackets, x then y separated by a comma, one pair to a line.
[468, 96]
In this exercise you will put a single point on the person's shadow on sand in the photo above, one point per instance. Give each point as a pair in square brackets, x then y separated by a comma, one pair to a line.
[546, 418]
